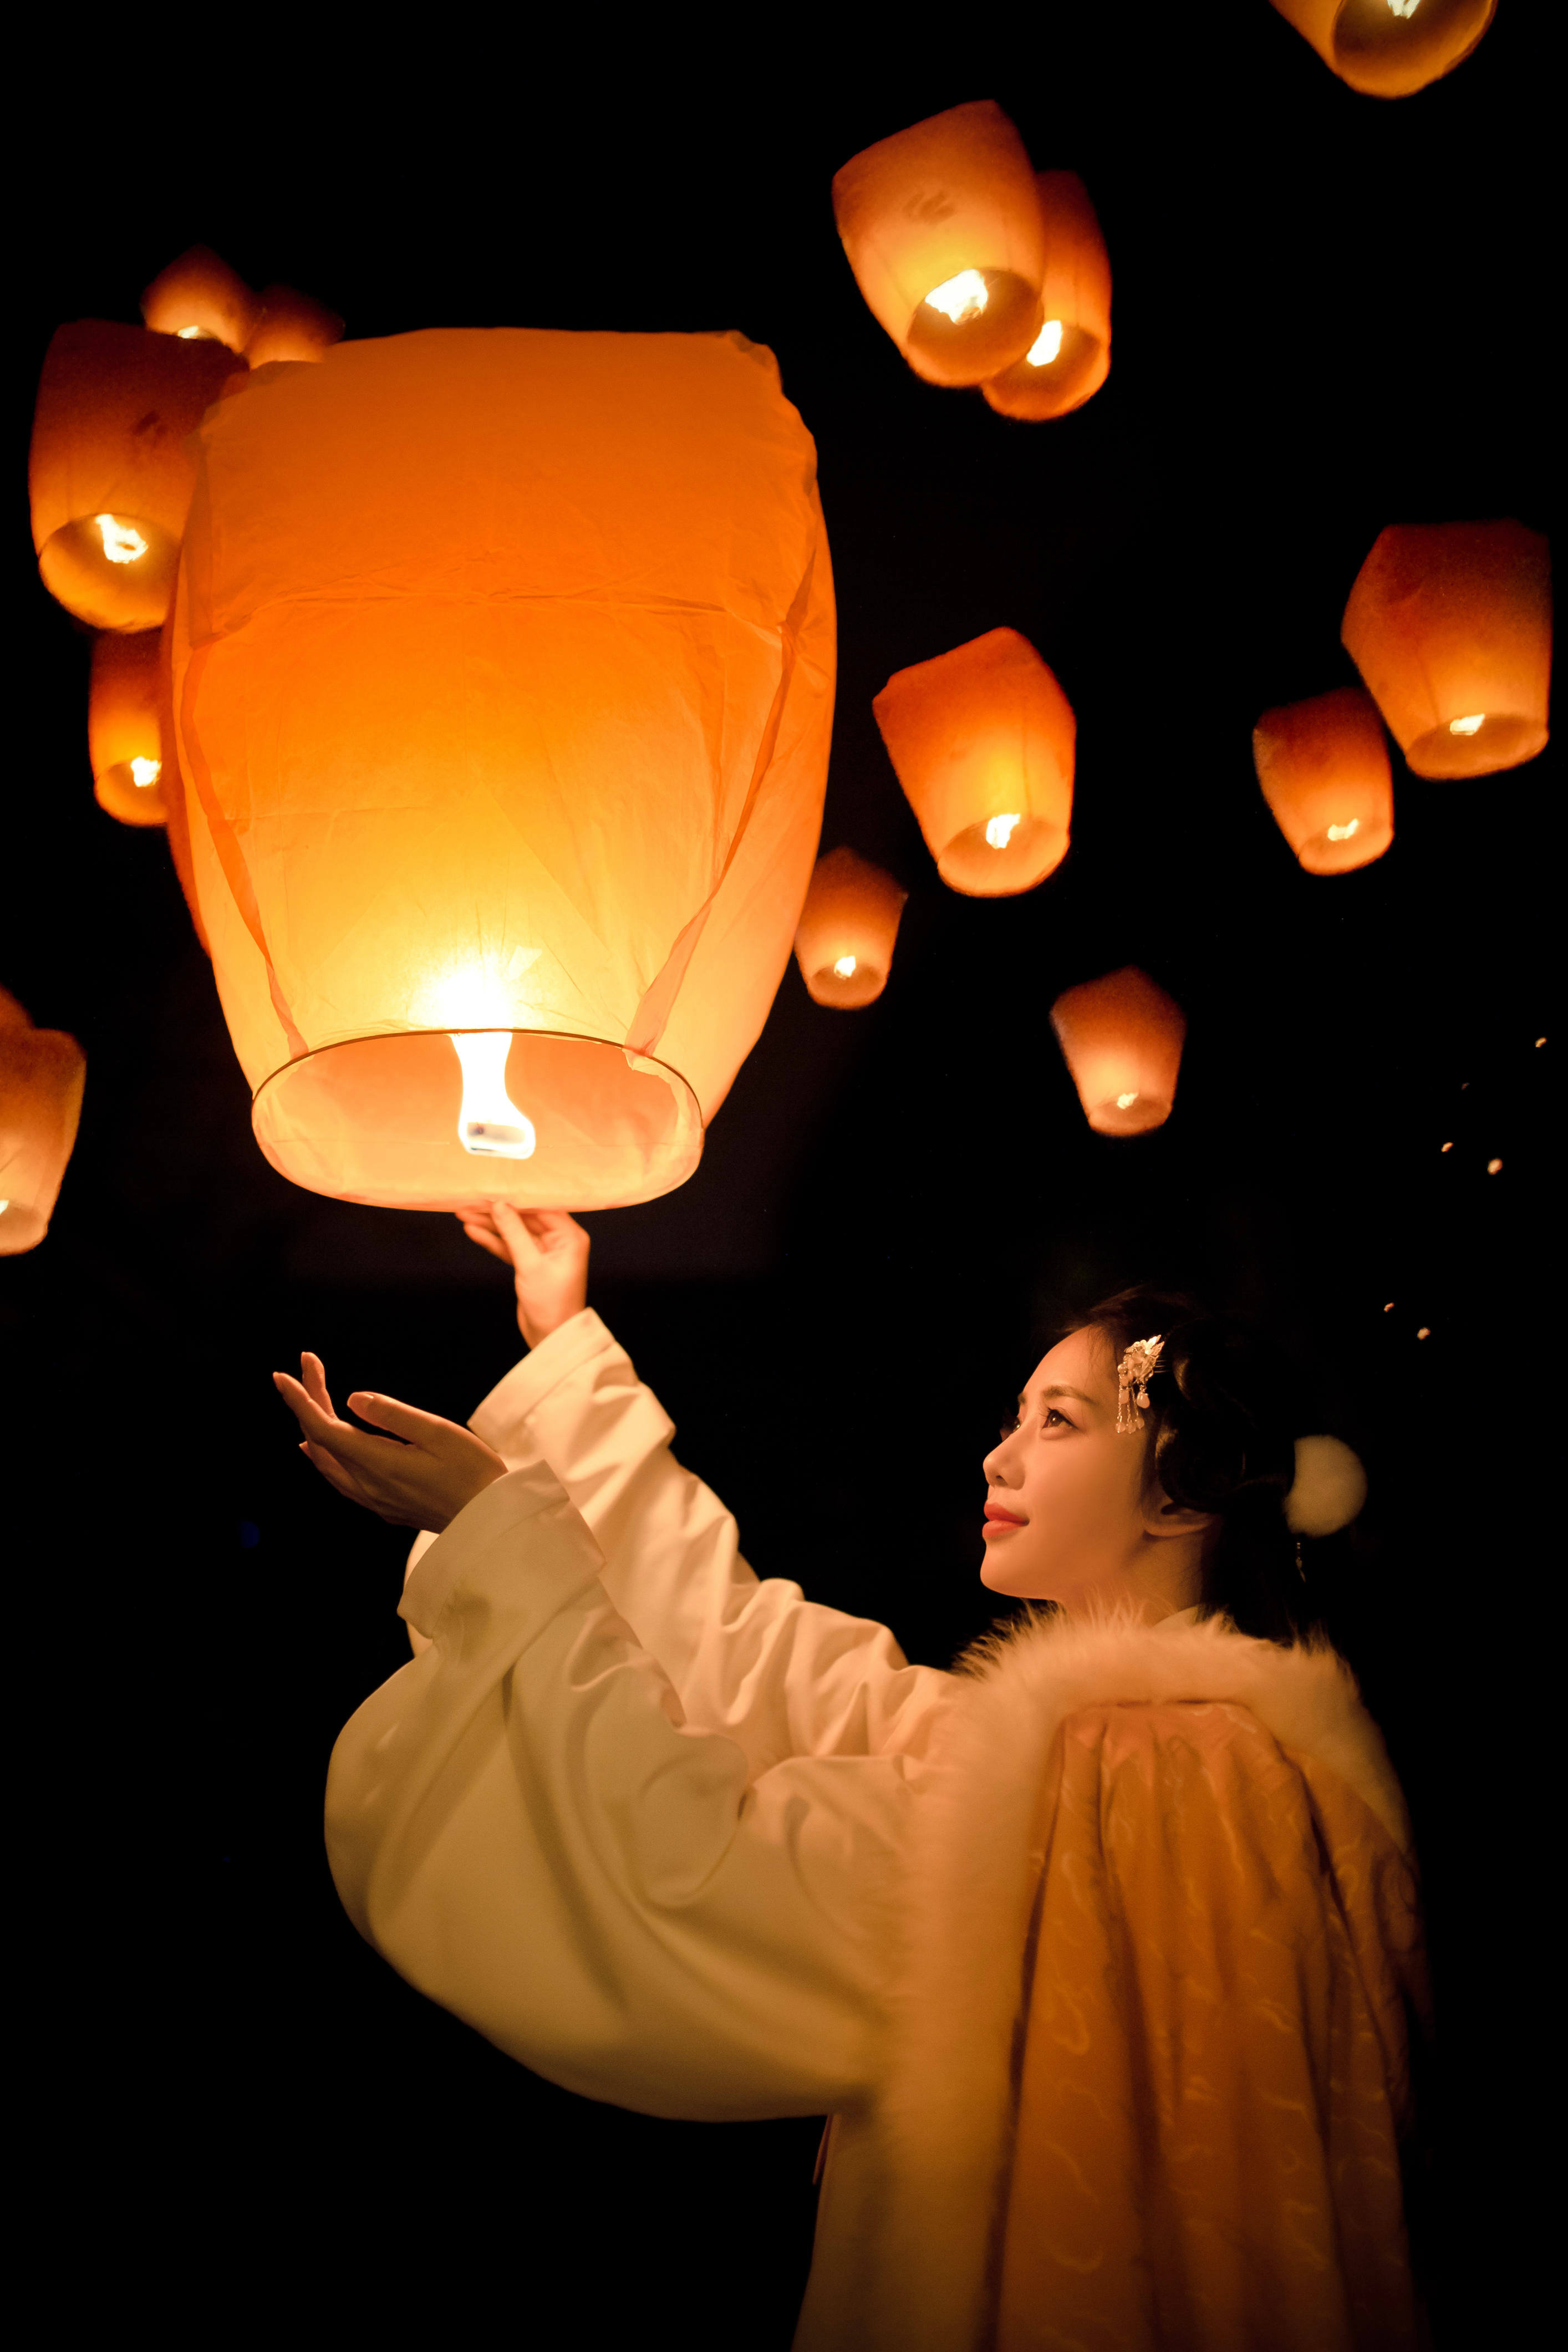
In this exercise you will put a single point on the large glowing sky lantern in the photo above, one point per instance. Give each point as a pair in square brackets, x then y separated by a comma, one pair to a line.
[1323, 768]
[500, 677]
[1390, 48]
[1069, 358]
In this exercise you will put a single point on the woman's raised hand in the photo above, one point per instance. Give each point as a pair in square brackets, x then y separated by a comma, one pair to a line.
[548, 1253]
[420, 1475]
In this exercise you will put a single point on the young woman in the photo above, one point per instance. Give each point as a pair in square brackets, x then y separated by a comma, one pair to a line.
[1098, 1951]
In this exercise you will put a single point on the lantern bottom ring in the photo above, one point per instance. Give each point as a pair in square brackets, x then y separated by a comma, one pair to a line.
[1502, 740]
[375, 1119]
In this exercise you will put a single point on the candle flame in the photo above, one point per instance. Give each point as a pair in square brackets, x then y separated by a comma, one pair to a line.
[4, 1206]
[1471, 726]
[1125, 1102]
[195, 334]
[1046, 344]
[490, 1123]
[1403, 7]
[999, 829]
[1343, 832]
[960, 298]
[122, 543]
[845, 967]
[145, 771]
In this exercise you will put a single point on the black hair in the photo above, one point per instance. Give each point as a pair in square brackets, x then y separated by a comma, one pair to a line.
[1226, 1406]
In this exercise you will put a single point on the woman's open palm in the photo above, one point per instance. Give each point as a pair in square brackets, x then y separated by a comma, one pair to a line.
[547, 1250]
[420, 1475]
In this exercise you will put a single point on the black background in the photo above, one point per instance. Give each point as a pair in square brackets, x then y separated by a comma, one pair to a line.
[1331, 314]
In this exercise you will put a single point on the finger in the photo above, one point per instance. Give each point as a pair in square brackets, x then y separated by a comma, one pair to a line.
[520, 1242]
[404, 1421]
[313, 1374]
[357, 1449]
[487, 1240]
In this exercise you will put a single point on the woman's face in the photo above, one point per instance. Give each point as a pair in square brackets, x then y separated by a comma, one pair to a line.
[1066, 1516]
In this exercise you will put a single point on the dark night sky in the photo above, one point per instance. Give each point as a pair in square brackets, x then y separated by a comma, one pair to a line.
[1331, 314]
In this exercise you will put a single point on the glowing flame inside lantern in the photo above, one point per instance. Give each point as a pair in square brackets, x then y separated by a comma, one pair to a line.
[845, 967]
[122, 543]
[145, 771]
[1046, 344]
[961, 297]
[1343, 832]
[1471, 726]
[490, 1123]
[999, 829]
[195, 334]
[1403, 7]
[1125, 1102]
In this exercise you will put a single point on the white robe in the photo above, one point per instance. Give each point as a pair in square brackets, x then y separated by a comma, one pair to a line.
[634, 1814]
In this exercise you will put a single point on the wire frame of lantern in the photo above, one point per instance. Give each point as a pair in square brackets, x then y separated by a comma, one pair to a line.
[844, 943]
[109, 472]
[1070, 359]
[1390, 48]
[501, 671]
[1450, 627]
[941, 225]
[983, 740]
[124, 736]
[42, 1072]
[1122, 1038]
[200, 299]
[1323, 768]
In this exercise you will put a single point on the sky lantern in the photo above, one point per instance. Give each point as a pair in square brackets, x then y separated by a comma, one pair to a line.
[501, 671]
[1323, 766]
[291, 325]
[1069, 358]
[1387, 48]
[124, 738]
[982, 741]
[41, 1077]
[1121, 1039]
[844, 943]
[109, 472]
[201, 300]
[1450, 627]
[942, 224]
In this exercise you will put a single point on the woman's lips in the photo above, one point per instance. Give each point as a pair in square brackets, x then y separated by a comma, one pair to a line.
[998, 1522]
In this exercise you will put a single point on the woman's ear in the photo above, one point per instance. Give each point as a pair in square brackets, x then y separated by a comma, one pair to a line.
[1162, 1517]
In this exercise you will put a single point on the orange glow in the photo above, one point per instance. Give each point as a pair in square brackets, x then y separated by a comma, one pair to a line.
[983, 740]
[942, 229]
[124, 737]
[844, 943]
[1122, 1038]
[1324, 767]
[1450, 627]
[109, 472]
[525, 598]
[199, 298]
[1389, 48]
[291, 326]
[41, 1077]
[1494, 1167]
[1071, 358]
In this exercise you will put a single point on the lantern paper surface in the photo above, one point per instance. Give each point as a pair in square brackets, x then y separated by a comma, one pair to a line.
[941, 225]
[173, 784]
[1450, 627]
[1388, 49]
[109, 471]
[501, 669]
[1323, 766]
[201, 300]
[847, 927]
[1122, 1038]
[1070, 359]
[41, 1077]
[124, 735]
[983, 740]
[291, 326]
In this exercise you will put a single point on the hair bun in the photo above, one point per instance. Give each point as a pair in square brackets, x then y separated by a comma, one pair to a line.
[1329, 1487]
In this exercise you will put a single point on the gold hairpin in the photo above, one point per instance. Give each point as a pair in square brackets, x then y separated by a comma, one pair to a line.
[1132, 1382]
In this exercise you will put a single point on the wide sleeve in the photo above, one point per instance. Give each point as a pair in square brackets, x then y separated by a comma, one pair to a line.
[520, 1824]
[782, 1675]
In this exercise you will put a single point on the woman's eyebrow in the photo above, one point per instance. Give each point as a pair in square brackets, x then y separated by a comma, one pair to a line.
[1055, 1390]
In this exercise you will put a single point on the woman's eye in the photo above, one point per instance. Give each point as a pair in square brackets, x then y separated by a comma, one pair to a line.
[1052, 1414]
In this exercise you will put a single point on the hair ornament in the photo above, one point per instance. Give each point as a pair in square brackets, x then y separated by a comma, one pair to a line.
[1328, 1489]
[1133, 1374]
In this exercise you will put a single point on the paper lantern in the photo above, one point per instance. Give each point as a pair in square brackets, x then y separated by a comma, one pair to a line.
[109, 472]
[201, 300]
[844, 940]
[941, 225]
[1070, 359]
[41, 1077]
[1324, 767]
[1387, 48]
[173, 785]
[501, 670]
[291, 326]
[1121, 1039]
[1450, 627]
[124, 737]
[982, 740]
